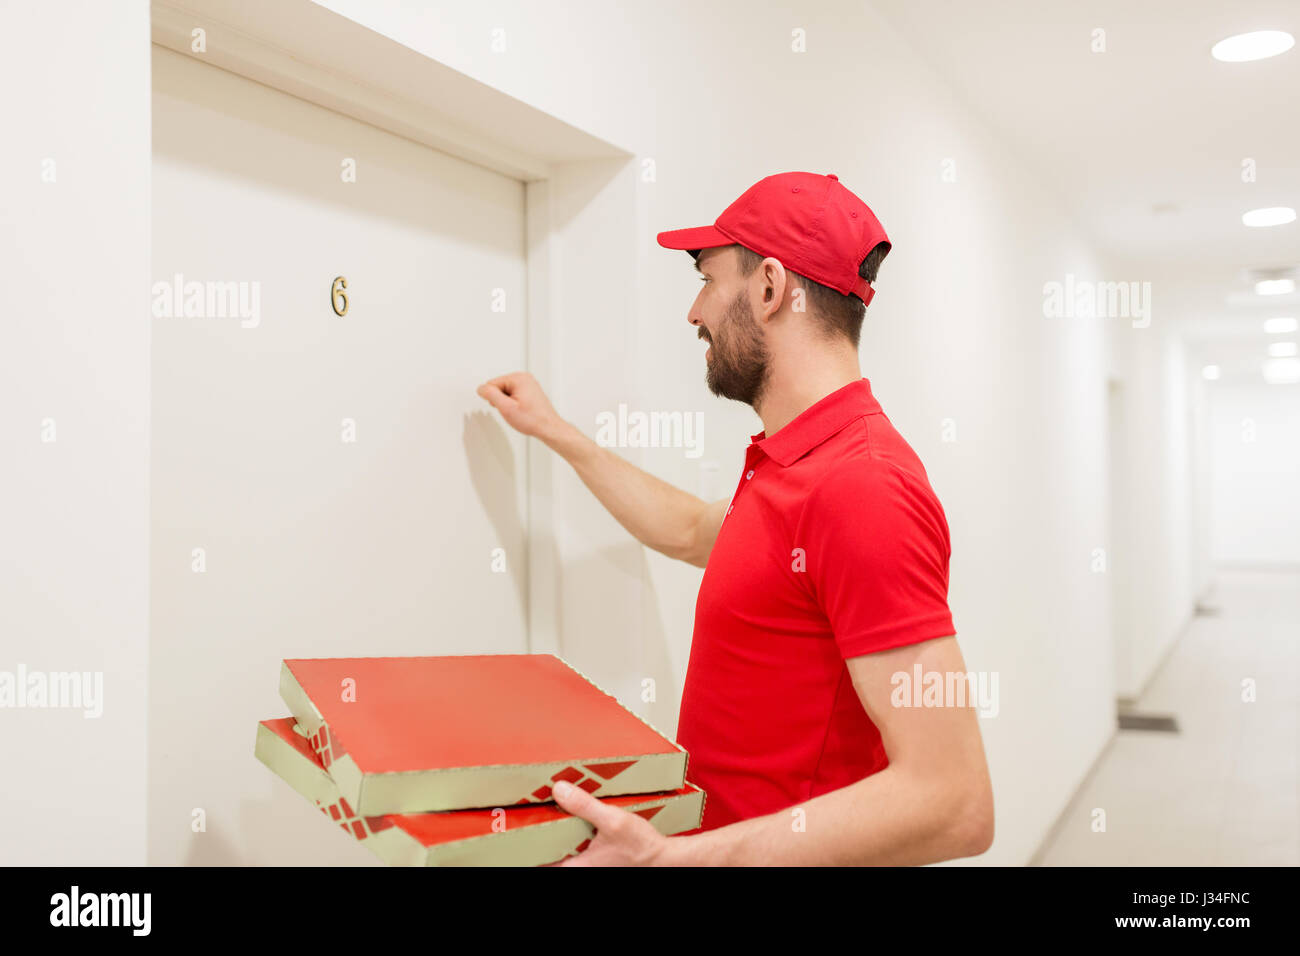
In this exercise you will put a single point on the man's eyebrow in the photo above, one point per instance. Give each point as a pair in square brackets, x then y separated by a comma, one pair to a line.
[696, 263]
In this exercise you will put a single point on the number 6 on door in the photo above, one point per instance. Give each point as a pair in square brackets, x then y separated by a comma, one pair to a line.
[338, 293]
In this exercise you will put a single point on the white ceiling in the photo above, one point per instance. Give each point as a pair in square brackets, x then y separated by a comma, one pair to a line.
[1154, 123]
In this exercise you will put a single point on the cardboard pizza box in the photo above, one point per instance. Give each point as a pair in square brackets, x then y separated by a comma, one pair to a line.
[417, 734]
[503, 836]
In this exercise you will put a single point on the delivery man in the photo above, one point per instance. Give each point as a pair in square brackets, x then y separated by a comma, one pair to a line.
[825, 587]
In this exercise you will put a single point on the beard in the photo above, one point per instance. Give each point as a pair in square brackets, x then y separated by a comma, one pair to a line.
[738, 367]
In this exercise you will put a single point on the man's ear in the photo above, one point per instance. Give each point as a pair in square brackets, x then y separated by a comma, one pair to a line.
[775, 281]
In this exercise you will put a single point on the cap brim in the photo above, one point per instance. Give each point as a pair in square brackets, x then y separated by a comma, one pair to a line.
[693, 240]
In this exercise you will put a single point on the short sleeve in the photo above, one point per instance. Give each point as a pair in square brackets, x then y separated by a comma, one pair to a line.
[876, 546]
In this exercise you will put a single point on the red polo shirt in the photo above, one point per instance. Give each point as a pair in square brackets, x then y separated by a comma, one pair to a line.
[834, 545]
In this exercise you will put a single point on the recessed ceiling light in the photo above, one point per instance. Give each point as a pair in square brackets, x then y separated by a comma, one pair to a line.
[1211, 372]
[1274, 286]
[1280, 325]
[1281, 349]
[1252, 46]
[1272, 216]
[1283, 371]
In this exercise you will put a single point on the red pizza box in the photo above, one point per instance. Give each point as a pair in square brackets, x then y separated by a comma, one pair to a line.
[417, 734]
[501, 836]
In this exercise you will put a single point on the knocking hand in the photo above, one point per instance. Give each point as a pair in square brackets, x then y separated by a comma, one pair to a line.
[522, 403]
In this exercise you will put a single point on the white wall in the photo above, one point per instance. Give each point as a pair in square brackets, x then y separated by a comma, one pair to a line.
[74, 511]
[1255, 487]
[1160, 567]
[1202, 468]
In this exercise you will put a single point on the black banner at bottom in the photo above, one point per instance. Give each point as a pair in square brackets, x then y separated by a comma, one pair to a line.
[379, 907]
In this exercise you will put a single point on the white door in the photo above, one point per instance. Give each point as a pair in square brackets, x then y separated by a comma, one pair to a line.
[322, 485]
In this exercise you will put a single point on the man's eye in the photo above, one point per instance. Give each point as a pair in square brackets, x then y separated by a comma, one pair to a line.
[704, 278]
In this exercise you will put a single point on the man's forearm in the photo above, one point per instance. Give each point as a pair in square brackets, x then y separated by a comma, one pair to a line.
[656, 513]
[885, 819]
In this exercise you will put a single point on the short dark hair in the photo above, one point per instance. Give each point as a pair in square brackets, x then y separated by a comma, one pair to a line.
[839, 314]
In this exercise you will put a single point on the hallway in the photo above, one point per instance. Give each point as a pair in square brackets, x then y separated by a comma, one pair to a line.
[273, 257]
[1223, 790]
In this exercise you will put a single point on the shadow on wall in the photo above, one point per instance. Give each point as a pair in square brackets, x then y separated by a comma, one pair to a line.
[286, 830]
[492, 472]
[657, 661]
[612, 631]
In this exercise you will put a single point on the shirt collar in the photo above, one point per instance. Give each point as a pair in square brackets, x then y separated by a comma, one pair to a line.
[818, 422]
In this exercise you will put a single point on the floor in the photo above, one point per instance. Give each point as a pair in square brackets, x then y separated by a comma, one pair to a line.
[1224, 790]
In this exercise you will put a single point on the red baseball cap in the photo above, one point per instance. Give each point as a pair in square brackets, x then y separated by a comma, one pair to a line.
[811, 223]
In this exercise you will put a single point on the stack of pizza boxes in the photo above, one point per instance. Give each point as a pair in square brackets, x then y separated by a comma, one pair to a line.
[449, 761]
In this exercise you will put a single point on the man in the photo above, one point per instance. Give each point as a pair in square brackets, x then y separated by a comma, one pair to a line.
[826, 573]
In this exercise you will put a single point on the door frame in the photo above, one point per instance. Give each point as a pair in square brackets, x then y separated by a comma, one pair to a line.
[579, 189]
